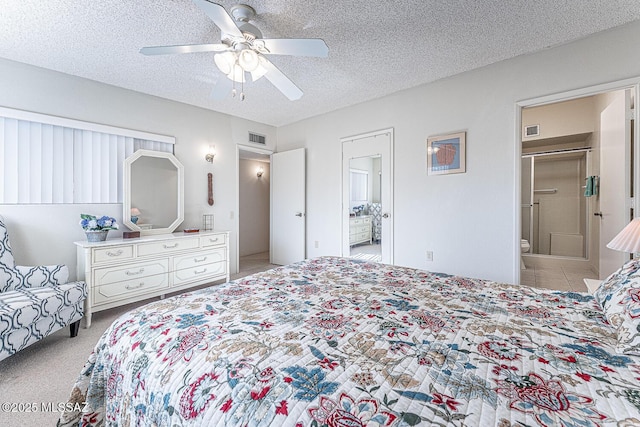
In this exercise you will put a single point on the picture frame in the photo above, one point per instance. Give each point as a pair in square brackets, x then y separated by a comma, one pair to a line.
[447, 154]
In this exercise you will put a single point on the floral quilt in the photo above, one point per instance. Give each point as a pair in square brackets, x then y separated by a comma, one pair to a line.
[341, 342]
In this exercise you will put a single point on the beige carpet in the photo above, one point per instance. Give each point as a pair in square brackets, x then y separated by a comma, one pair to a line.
[42, 375]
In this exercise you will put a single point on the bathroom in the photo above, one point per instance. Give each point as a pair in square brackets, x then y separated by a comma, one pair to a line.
[572, 177]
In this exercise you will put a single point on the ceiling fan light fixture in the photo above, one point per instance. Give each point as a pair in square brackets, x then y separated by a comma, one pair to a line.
[260, 70]
[225, 61]
[236, 74]
[248, 60]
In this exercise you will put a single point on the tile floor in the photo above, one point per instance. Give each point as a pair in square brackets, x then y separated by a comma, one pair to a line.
[563, 275]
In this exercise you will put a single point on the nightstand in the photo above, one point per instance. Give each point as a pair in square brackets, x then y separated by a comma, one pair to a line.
[592, 284]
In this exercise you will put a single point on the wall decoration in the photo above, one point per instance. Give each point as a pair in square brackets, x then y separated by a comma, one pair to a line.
[446, 154]
[210, 188]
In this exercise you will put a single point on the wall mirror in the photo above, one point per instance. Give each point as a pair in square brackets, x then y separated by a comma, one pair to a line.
[153, 192]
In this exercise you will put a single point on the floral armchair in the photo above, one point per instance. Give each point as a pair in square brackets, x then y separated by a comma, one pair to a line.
[35, 301]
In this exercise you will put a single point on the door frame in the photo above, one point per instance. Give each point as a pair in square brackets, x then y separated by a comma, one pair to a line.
[632, 84]
[257, 150]
[390, 209]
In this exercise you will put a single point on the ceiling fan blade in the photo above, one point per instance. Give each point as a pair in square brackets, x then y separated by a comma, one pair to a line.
[297, 47]
[220, 17]
[222, 88]
[282, 82]
[186, 48]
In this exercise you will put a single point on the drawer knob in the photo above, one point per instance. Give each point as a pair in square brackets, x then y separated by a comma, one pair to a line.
[213, 240]
[116, 253]
[175, 245]
[134, 273]
[138, 286]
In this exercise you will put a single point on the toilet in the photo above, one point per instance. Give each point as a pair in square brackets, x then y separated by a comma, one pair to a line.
[524, 248]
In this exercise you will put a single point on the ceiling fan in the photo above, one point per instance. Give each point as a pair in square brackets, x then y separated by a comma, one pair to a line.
[242, 51]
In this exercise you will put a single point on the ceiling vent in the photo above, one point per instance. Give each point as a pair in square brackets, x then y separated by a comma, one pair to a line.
[532, 130]
[256, 138]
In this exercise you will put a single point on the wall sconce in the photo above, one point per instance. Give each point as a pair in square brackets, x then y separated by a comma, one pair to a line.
[260, 172]
[211, 154]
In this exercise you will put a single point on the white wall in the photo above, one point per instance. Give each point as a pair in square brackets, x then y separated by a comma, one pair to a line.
[468, 220]
[254, 207]
[45, 233]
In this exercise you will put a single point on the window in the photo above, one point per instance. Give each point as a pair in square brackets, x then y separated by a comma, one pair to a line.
[359, 186]
[48, 159]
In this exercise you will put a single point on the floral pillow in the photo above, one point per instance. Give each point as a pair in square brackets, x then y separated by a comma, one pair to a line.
[619, 297]
[615, 281]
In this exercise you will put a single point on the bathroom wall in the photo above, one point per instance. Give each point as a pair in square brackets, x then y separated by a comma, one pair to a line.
[558, 218]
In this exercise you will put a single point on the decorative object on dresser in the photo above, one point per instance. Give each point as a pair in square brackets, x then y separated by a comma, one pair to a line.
[34, 301]
[96, 228]
[207, 222]
[135, 215]
[359, 230]
[118, 271]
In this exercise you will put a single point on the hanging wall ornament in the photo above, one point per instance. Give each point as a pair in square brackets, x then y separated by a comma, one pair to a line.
[210, 190]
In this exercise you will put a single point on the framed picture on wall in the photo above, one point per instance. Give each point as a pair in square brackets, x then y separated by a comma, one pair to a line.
[446, 154]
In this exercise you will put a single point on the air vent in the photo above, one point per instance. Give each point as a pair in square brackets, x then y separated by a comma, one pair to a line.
[532, 130]
[257, 138]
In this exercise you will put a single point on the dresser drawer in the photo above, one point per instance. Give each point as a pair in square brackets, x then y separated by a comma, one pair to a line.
[362, 236]
[112, 253]
[131, 272]
[122, 290]
[167, 247]
[183, 262]
[199, 272]
[213, 240]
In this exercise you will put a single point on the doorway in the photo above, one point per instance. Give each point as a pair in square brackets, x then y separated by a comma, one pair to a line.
[576, 183]
[254, 172]
[367, 198]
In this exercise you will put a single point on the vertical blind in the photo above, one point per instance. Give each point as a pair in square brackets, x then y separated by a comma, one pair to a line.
[48, 163]
[359, 186]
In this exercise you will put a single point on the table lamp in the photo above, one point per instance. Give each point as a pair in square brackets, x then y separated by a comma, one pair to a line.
[135, 213]
[628, 240]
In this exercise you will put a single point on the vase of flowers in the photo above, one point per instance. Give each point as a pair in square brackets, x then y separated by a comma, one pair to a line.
[96, 228]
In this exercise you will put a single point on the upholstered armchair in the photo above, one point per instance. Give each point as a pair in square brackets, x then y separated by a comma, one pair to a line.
[35, 301]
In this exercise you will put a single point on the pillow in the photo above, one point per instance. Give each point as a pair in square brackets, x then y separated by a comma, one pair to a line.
[619, 297]
[615, 281]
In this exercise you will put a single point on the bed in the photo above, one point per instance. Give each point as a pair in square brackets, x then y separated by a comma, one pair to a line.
[339, 342]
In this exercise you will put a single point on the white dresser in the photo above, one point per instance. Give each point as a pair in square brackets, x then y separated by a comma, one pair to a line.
[359, 229]
[121, 271]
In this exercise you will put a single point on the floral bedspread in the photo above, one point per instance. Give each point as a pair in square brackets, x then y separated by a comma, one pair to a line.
[340, 342]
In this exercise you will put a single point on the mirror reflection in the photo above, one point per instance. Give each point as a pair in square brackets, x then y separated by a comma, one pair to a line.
[365, 209]
[153, 192]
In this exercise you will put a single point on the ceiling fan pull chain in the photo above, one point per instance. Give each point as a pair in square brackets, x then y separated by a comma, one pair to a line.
[242, 88]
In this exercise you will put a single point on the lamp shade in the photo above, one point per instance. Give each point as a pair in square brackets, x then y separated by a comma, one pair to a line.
[135, 211]
[225, 61]
[628, 240]
[248, 60]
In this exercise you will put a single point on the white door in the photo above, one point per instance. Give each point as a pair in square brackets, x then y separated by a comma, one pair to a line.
[615, 131]
[372, 145]
[288, 198]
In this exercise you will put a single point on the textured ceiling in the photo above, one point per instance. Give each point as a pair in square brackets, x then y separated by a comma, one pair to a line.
[376, 47]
